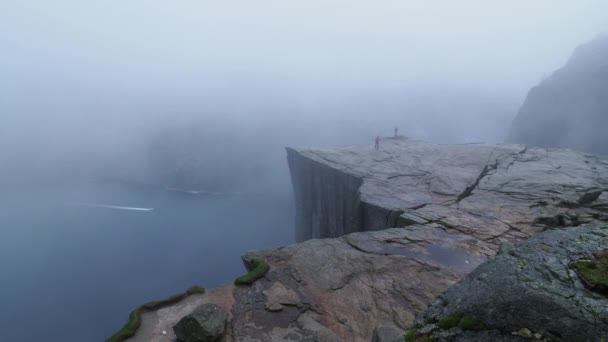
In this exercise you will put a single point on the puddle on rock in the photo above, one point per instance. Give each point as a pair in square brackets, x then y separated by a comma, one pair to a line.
[443, 254]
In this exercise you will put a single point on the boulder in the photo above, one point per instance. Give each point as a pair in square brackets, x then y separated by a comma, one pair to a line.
[531, 289]
[207, 323]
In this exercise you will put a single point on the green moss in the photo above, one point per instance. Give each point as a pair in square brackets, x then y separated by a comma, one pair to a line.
[128, 330]
[261, 267]
[410, 335]
[470, 323]
[594, 273]
[448, 322]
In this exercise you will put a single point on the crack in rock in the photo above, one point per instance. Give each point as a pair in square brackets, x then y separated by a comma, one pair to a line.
[469, 189]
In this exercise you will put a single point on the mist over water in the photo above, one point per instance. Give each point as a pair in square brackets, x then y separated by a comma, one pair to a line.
[73, 268]
[109, 106]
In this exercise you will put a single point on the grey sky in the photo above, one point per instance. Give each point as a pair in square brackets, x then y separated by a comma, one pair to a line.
[92, 83]
[168, 44]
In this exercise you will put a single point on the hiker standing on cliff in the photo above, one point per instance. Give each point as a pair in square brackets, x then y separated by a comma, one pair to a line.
[396, 131]
[377, 146]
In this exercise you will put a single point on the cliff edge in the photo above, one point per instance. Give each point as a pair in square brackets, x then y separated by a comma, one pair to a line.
[399, 226]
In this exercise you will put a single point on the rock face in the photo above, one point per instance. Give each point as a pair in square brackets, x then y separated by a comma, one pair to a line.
[207, 323]
[342, 288]
[401, 225]
[569, 109]
[493, 193]
[532, 286]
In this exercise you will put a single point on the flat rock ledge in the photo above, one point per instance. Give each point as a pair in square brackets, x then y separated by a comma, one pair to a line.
[388, 231]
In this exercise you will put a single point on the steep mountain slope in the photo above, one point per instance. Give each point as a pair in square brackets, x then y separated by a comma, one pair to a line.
[569, 109]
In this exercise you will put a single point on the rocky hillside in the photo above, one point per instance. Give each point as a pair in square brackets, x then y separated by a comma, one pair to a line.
[398, 227]
[570, 108]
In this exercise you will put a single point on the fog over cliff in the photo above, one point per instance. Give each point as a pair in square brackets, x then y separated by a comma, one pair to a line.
[147, 90]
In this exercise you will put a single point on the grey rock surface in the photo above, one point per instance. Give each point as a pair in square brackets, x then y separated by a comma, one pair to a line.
[400, 226]
[343, 288]
[207, 323]
[494, 193]
[387, 333]
[532, 286]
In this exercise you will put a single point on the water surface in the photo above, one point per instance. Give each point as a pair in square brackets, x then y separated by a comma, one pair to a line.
[75, 260]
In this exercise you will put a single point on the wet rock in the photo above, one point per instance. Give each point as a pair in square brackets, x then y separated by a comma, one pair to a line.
[343, 287]
[207, 323]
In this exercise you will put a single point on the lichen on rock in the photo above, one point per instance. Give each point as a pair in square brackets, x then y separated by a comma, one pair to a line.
[594, 272]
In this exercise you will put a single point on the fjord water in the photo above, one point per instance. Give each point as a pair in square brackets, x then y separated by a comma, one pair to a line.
[72, 268]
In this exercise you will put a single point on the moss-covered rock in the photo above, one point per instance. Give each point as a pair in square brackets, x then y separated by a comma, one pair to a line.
[130, 328]
[448, 322]
[594, 273]
[466, 323]
[471, 323]
[261, 267]
[410, 335]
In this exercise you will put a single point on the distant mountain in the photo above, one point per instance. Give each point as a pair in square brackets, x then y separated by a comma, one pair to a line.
[569, 109]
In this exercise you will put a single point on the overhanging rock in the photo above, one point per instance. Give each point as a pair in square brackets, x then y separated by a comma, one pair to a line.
[493, 192]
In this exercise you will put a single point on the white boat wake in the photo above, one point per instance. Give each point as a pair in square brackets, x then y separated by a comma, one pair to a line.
[107, 206]
[202, 192]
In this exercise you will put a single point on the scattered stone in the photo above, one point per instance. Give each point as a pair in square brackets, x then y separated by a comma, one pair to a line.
[525, 332]
[278, 295]
[207, 323]
[273, 307]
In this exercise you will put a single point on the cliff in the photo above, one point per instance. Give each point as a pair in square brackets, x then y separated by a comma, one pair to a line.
[493, 192]
[400, 226]
[570, 108]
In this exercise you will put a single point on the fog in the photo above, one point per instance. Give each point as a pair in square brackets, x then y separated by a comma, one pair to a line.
[110, 104]
[87, 87]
